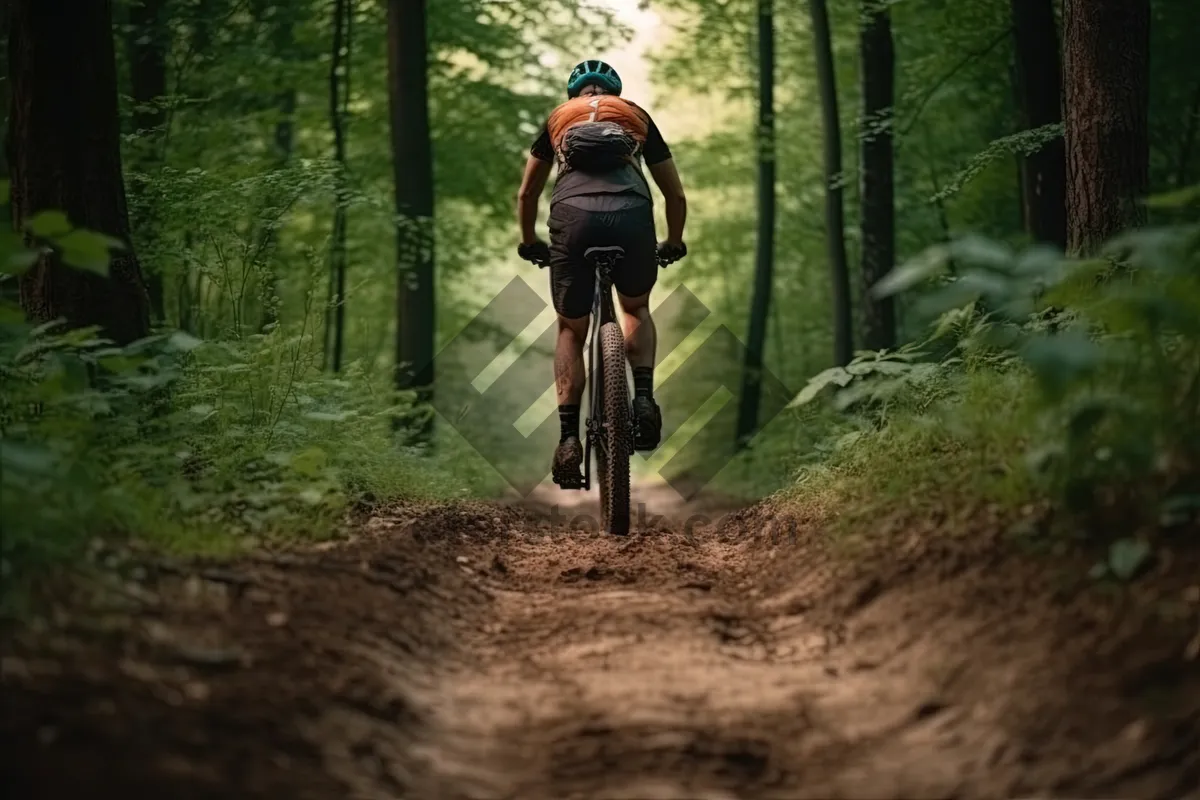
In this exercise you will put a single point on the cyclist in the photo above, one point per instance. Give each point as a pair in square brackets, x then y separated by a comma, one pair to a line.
[601, 207]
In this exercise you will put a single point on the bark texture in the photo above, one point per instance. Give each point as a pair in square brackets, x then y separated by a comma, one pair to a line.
[1106, 49]
[66, 156]
[877, 188]
[764, 260]
[839, 270]
[412, 159]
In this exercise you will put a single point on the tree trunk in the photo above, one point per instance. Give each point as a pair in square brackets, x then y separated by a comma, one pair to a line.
[843, 333]
[339, 101]
[1106, 67]
[877, 173]
[9, 291]
[765, 254]
[412, 164]
[66, 156]
[1039, 103]
[147, 48]
[283, 41]
[340, 115]
[1189, 140]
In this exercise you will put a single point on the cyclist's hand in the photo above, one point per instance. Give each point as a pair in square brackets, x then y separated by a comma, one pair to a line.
[538, 253]
[669, 253]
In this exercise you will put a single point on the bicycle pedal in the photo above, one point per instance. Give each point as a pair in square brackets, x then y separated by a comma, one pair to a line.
[569, 481]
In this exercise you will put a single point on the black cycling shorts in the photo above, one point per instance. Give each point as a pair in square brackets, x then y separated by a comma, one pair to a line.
[573, 230]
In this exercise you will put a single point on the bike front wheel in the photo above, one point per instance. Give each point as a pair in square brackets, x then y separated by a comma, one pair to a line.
[612, 456]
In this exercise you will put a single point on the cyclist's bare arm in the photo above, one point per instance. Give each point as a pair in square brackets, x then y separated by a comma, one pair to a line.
[667, 178]
[537, 172]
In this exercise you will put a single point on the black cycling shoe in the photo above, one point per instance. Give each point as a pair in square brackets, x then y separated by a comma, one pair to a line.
[568, 459]
[647, 424]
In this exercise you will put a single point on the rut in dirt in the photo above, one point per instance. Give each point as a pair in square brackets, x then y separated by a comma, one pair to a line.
[475, 651]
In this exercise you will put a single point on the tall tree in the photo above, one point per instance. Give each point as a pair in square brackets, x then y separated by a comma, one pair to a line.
[147, 46]
[339, 102]
[877, 192]
[412, 164]
[1038, 75]
[843, 332]
[1106, 66]
[283, 41]
[765, 248]
[64, 141]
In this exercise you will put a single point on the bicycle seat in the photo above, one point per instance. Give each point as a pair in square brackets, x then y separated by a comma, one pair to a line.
[609, 255]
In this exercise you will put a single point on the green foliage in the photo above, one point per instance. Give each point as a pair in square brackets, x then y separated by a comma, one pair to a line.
[190, 444]
[874, 379]
[1080, 378]
[1019, 144]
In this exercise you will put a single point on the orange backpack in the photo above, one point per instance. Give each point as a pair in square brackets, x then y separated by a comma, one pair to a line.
[597, 134]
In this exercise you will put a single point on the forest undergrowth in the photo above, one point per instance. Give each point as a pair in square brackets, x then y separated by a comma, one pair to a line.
[1059, 394]
[190, 446]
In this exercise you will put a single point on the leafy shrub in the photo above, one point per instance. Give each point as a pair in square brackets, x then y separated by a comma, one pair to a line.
[185, 443]
[1109, 349]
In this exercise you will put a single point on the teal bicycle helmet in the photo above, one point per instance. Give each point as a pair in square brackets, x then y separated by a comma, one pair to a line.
[589, 72]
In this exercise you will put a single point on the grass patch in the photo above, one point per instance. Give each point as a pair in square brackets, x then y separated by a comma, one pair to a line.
[968, 447]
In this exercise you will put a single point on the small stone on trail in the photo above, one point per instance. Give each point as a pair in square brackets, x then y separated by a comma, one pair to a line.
[1192, 651]
[1135, 731]
[195, 690]
[463, 560]
[277, 619]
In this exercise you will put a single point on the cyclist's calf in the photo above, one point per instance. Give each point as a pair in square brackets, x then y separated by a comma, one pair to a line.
[640, 335]
[569, 375]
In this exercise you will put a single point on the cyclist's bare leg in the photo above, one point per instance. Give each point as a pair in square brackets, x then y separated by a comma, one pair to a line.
[569, 376]
[641, 339]
[569, 381]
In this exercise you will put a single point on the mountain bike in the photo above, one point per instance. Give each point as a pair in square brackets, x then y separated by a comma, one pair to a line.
[609, 428]
[610, 425]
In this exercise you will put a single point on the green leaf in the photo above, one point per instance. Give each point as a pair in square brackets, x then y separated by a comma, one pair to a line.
[24, 457]
[912, 272]
[329, 416]
[88, 250]
[179, 340]
[1127, 557]
[1062, 357]
[309, 462]
[816, 384]
[48, 223]
[311, 497]
[20, 262]
[119, 363]
[982, 252]
[1178, 198]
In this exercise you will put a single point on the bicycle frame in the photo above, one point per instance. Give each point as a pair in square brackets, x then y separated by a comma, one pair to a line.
[603, 312]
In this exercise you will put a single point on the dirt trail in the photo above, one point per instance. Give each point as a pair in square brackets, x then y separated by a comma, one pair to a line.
[473, 651]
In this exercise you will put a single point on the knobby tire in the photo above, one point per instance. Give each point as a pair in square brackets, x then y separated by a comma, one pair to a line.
[612, 457]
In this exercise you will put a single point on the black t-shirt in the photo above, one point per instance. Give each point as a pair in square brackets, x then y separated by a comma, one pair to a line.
[571, 183]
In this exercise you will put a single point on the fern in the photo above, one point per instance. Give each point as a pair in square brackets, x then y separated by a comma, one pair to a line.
[1023, 143]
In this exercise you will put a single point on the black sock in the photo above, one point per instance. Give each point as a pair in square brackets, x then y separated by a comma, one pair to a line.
[568, 418]
[643, 382]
